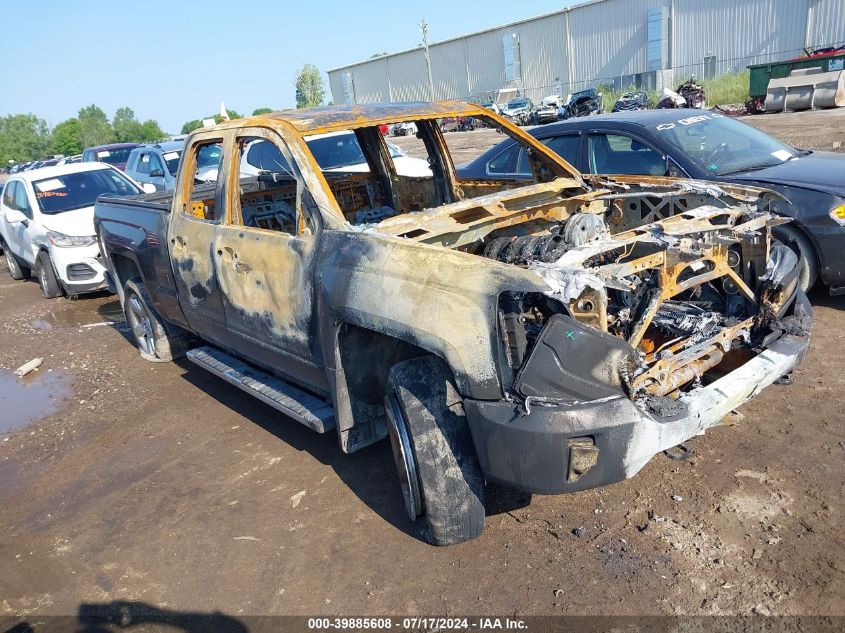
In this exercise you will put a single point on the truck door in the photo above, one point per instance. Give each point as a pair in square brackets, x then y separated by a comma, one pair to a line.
[266, 256]
[196, 217]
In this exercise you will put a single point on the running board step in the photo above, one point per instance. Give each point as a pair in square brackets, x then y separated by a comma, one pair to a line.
[309, 410]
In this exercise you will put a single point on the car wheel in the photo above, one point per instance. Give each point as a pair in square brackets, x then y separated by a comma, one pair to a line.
[442, 484]
[51, 288]
[16, 270]
[154, 341]
[802, 247]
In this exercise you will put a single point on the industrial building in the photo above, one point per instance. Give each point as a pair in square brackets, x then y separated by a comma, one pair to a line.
[647, 43]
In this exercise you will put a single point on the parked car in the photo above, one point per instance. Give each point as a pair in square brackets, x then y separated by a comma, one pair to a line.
[47, 225]
[631, 101]
[115, 154]
[70, 160]
[710, 146]
[404, 128]
[582, 103]
[547, 111]
[155, 164]
[519, 110]
[523, 335]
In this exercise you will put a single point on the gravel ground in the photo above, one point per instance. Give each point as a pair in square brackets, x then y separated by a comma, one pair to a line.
[160, 484]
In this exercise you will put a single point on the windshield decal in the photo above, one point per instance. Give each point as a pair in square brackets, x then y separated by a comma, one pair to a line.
[782, 154]
[49, 185]
[688, 121]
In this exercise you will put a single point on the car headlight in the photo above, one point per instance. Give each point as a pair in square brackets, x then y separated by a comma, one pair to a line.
[838, 214]
[63, 241]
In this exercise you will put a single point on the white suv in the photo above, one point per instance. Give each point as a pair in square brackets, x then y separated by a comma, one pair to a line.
[47, 225]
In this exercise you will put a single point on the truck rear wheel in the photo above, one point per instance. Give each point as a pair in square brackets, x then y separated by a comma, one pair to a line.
[155, 343]
[441, 480]
[17, 270]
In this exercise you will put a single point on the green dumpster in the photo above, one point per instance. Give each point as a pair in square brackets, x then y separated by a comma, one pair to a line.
[760, 74]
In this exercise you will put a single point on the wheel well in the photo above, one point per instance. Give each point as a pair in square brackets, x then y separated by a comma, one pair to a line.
[794, 227]
[124, 269]
[365, 357]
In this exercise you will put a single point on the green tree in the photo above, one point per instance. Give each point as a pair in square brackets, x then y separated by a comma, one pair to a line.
[94, 126]
[310, 88]
[127, 129]
[191, 125]
[259, 111]
[23, 137]
[195, 124]
[151, 132]
[66, 139]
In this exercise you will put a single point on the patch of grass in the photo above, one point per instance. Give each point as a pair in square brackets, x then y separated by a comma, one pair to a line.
[725, 89]
[721, 90]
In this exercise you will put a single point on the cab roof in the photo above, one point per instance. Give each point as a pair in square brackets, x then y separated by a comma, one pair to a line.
[346, 117]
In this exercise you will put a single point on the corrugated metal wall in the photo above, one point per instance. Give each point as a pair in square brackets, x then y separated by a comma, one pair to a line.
[737, 33]
[827, 22]
[609, 41]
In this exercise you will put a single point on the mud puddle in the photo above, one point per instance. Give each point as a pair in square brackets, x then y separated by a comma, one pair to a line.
[83, 313]
[24, 400]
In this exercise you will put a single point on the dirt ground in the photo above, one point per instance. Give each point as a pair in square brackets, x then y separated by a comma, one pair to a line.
[161, 484]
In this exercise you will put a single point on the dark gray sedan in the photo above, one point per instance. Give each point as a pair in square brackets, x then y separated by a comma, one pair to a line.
[705, 146]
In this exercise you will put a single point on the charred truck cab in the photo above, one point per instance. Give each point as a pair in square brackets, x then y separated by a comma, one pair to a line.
[550, 333]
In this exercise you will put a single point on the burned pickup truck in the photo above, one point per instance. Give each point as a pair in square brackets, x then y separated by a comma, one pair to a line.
[549, 334]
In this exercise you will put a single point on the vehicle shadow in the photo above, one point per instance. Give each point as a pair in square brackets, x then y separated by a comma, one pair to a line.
[820, 297]
[370, 473]
[122, 616]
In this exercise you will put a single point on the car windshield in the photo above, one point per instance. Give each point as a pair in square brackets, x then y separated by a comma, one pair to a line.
[722, 145]
[114, 156]
[517, 103]
[172, 160]
[336, 150]
[76, 191]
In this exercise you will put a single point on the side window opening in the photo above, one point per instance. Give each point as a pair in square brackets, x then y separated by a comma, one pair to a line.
[206, 161]
[9, 194]
[565, 146]
[156, 169]
[621, 154]
[22, 200]
[270, 193]
[144, 164]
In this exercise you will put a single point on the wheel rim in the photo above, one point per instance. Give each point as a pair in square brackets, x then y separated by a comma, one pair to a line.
[142, 327]
[406, 467]
[10, 261]
[42, 276]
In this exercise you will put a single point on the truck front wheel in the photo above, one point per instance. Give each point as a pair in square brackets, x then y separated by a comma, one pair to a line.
[154, 341]
[441, 480]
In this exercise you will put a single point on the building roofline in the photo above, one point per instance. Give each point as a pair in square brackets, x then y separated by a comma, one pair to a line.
[472, 34]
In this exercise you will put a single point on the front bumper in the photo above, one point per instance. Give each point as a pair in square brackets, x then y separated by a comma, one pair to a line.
[531, 451]
[71, 265]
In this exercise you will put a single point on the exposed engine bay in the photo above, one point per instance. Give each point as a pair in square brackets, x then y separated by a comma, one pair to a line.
[679, 300]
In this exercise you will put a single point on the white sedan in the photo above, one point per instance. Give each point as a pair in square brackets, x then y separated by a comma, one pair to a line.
[47, 225]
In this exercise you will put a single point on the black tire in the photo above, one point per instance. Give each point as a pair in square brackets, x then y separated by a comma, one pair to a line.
[442, 482]
[154, 340]
[802, 247]
[51, 287]
[17, 270]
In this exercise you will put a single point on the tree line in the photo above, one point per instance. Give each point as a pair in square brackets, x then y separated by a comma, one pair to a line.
[25, 137]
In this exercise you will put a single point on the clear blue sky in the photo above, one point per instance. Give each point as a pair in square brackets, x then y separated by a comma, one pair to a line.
[174, 61]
